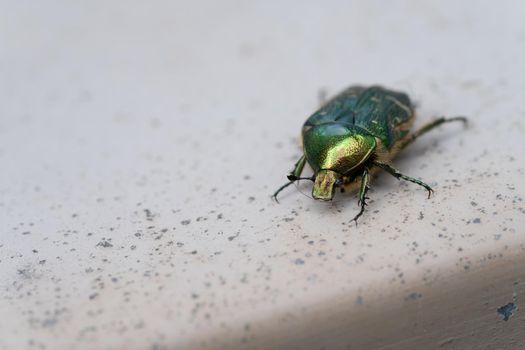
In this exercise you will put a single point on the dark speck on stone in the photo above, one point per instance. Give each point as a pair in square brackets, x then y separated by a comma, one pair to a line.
[414, 296]
[476, 221]
[149, 214]
[231, 238]
[506, 311]
[299, 261]
[104, 244]
[185, 222]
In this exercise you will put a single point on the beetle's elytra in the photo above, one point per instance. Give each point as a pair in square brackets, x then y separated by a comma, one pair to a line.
[352, 135]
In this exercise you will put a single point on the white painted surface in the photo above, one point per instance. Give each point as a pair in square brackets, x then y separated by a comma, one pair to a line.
[139, 144]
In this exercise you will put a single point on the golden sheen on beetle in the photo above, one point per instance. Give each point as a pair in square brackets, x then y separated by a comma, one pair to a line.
[353, 135]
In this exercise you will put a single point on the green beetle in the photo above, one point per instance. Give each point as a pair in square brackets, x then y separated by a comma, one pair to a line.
[352, 135]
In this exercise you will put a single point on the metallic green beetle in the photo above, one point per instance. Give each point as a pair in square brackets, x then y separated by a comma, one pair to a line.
[352, 135]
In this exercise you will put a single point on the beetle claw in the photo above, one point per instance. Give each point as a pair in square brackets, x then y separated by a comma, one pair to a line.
[357, 216]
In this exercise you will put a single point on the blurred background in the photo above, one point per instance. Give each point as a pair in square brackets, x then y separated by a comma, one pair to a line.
[140, 143]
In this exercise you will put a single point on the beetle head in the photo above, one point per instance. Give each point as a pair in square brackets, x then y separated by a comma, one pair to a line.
[325, 183]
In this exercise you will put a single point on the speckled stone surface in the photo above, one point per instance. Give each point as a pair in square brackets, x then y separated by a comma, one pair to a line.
[140, 143]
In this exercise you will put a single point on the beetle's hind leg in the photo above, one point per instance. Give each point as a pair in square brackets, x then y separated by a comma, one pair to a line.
[293, 176]
[362, 194]
[394, 172]
[430, 126]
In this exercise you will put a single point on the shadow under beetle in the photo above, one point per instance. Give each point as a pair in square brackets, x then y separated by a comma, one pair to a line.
[353, 135]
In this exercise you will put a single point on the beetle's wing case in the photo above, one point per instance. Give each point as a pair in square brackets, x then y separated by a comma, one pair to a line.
[385, 114]
[340, 109]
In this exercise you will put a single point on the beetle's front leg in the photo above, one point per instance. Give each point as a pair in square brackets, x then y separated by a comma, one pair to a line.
[293, 176]
[394, 172]
[362, 194]
[298, 169]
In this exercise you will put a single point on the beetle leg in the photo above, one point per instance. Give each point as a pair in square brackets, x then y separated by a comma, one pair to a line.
[274, 196]
[394, 172]
[293, 176]
[427, 127]
[298, 168]
[362, 194]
